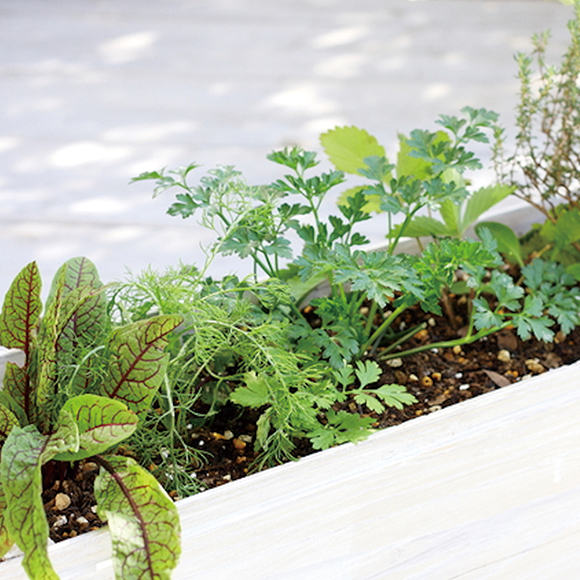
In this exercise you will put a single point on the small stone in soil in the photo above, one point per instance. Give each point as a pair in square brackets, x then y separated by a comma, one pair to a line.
[395, 362]
[61, 501]
[504, 355]
[534, 366]
[60, 521]
[464, 387]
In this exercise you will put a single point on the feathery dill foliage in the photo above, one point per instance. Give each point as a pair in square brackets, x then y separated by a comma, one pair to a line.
[231, 336]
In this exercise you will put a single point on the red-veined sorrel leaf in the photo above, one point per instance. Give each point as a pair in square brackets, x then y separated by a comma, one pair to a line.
[21, 310]
[143, 521]
[5, 541]
[101, 422]
[86, 316]
[52, 344]
[18, 394]
[7, 421]
[23, 454]
[138, 360]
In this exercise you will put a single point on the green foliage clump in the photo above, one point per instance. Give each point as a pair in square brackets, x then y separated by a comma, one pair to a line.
[83, 388]
[544, 169]
[295, 353]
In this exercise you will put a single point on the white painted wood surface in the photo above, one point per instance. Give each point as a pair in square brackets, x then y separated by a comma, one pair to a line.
[487, 489]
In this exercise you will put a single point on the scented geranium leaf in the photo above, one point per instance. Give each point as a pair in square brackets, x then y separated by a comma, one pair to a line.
[255, 393]
[347, 148]
[142, 518]
[7, 421]
[137, 361]
[6, 542]
[23, 455]
[21, 310]
[101, 422]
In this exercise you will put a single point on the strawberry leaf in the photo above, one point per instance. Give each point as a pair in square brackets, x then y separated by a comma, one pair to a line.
[143, 520]
[138, 360]
[347, 148]
[101, 422]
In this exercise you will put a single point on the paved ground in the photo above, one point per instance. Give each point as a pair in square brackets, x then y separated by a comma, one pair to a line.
[95, 92]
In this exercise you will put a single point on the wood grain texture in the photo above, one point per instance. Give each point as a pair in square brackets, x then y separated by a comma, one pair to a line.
[489, 488]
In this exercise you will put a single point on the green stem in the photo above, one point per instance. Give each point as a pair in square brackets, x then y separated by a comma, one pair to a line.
[448, 343]
[379, 331]
[403, 227]
[406, 336]
[371, 316]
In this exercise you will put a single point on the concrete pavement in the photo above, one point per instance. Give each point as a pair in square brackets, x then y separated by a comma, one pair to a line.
[95, 92]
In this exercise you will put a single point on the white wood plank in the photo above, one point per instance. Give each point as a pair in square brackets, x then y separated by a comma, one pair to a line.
[489, 488]
[12, 355]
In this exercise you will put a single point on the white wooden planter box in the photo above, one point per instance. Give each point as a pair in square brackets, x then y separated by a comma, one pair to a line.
[486, 489]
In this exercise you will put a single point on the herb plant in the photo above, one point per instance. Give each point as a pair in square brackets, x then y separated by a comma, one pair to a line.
[83, 388]
[545, 166]
[298, 354]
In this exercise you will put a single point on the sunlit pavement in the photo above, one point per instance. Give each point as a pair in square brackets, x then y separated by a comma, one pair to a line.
[94, 93]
